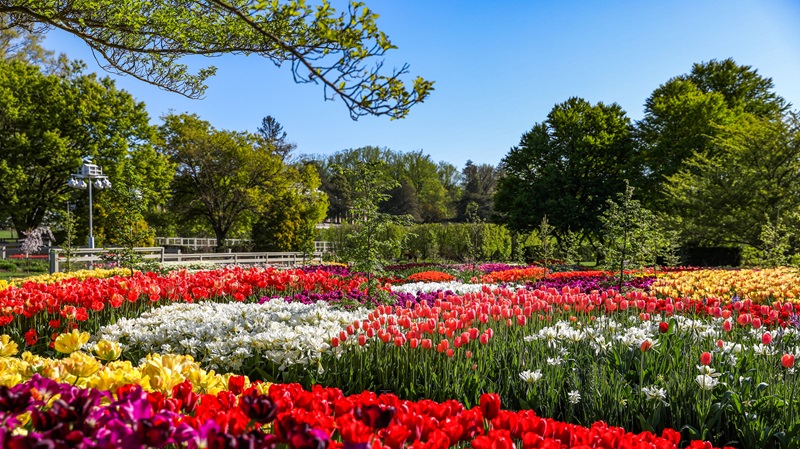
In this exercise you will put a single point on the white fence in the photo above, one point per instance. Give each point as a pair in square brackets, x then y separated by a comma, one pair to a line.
[93, 256]
[196, 243]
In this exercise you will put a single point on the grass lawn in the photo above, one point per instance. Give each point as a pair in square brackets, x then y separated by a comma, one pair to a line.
[8, 275]
[4, 234]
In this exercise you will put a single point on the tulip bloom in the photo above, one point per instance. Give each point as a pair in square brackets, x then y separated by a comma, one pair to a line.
[787, 360]
[705, 358]
[71, 342]
[490, 405]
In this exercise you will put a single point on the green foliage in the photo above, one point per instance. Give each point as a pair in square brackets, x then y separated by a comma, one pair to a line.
[68, 224]
[632, 237]
[125, 205]
[566, 168]
[224, 178]
[372, 236]
[343, 51]
[545, 234]
[479, 183]
[289, 223]
[571, 248]
[50, 123]
[752, 171]
[424, 190]
[775, 240]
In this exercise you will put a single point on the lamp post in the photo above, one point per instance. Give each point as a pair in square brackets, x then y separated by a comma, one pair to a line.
[94, 175]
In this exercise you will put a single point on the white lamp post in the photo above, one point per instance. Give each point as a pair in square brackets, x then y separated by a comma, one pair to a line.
[94, 175]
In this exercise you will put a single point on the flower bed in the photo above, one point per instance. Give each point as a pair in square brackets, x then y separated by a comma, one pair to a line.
[65, 416]
[714, 369]
[762, 286]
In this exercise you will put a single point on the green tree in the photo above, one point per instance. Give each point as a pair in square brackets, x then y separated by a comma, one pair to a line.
[632, 236]
[566, 168]
[751, 171]
[272, 132]
[289, 222]
[479, 183]
[68, 224]
[450, 177]
[126, 227]
[224, 178]
[685, 115]
[370, 237]
[420, 192]
[20, 44]
[50, 123]
[323, 46]
[775, 243]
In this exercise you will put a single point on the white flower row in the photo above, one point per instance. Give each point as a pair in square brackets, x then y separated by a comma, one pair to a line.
[224, 336]
[456, 287]
[605, 331]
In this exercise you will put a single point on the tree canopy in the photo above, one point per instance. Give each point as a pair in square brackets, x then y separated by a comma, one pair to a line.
[50, 123]
[223, 177]
[566, 168]
[147, 40]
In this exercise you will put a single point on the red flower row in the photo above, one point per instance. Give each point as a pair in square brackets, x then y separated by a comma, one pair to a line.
[75, 299]
[303, 419]
[430, 276]
[454, 321]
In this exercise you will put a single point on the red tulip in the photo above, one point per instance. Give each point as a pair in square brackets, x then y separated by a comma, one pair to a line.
[490, 405]
[787, 360]
[705, 358]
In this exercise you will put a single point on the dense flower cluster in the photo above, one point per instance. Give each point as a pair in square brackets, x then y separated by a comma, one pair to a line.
[78, 275]
[46, 308]
[762, 286]
[229, 335]
[155, 372]
[42, 411]
[430, 276]
[514, 275]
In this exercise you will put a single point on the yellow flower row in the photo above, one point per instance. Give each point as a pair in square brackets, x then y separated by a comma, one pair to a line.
[762, 286]
[80, 275]
[154, 373]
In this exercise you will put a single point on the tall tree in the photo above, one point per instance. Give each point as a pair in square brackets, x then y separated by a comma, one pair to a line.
[49, 124]
[684, 115]
[274, 135]
[479, 183]
[223, 177]
[420, 193]
[751, 174]
[566, 168]
[289, 222]
[450, 178]
[147, 39]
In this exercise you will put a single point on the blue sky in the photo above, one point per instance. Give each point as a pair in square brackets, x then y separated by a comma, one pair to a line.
[499, 67]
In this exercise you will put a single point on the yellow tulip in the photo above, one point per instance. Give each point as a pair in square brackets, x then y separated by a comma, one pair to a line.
[80, 364]
[7, 346]
[71, 342]
[108, 350]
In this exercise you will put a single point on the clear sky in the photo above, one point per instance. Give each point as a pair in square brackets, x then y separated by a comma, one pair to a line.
[499, 67]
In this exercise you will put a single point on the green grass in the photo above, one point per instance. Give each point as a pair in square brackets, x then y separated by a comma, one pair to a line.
[4, 234]
[8, 275]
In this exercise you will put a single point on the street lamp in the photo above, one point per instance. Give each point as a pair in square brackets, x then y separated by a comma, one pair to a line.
[94, 175]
